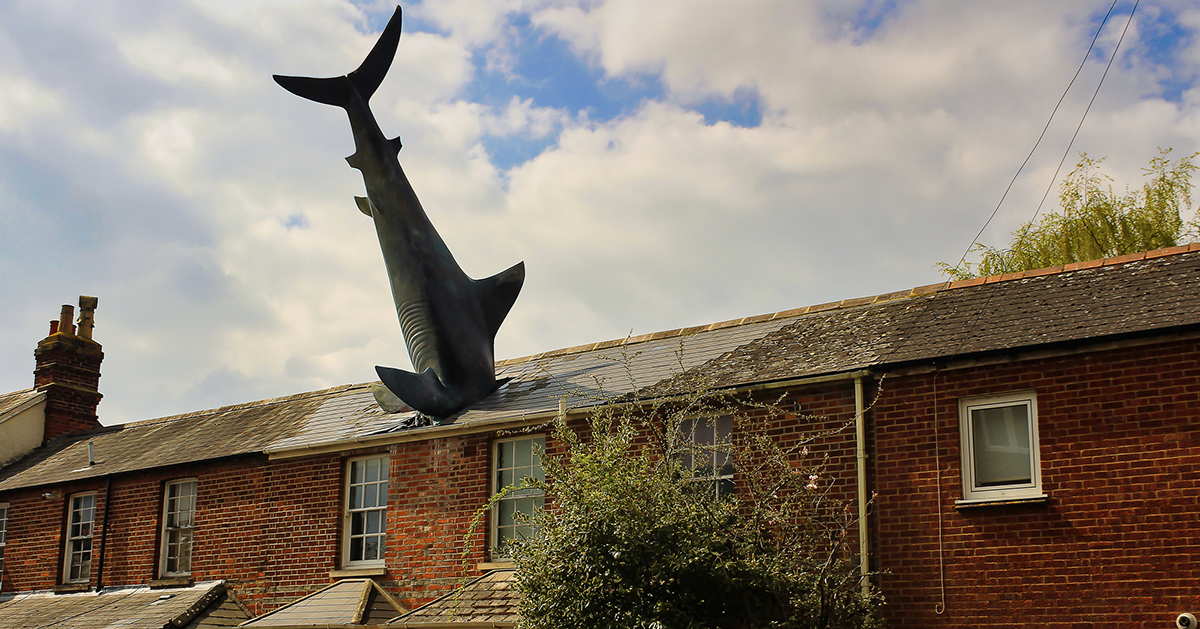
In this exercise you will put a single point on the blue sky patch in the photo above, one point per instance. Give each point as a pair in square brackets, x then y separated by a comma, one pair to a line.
[871, 17]
[741, 110]
[296, 221]
[509, 152]
[544, 69]
[1162, 42]
[377, 14]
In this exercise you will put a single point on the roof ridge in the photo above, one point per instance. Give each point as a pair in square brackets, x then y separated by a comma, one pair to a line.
[857, 301]
[1076, 266]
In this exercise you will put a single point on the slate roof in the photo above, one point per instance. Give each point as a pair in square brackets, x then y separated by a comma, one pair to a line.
[490, 599]
[17, 401]
[347, 602]
[1152, 293]
[201, 606]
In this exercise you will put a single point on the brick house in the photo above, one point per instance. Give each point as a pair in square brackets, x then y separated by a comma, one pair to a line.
[1030, 440]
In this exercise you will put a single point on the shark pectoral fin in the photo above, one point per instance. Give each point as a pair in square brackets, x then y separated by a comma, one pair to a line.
[364, 205]
[424, 392]
[497, 294]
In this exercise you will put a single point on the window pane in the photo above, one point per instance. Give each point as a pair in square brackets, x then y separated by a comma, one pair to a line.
[523, 451]
[1001, 446]
[504, 454]
[724, 432]
[372, 470]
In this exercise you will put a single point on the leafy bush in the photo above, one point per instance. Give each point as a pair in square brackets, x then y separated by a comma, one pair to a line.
[635, 537]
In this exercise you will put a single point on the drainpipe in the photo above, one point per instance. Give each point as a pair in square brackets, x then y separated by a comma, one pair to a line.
[104, 531]
[860, 438]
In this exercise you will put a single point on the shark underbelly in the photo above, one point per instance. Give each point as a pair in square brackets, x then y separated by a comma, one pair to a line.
[416, 322]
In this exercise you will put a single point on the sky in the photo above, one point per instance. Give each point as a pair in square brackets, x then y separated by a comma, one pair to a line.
[656, 165]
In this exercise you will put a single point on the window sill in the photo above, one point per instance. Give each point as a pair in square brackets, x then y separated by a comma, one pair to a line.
[999, 502]
[497, 564]
[352, 573]
[170, 582]
[71, 588]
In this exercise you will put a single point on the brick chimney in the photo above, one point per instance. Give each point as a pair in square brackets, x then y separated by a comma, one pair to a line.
[68, 371]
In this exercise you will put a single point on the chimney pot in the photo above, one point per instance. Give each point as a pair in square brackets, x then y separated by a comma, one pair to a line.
[53, 327]
[66, 318]
[87, 309]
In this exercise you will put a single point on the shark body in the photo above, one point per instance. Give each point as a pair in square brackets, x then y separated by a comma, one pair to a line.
[449, 320]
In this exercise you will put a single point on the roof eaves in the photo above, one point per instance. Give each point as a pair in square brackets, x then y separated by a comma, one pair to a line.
[33, 400]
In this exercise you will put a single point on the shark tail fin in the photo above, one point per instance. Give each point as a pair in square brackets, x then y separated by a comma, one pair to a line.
[370, 74]
[498, 293]
[423, 392]
[339, 90]
[331, 91]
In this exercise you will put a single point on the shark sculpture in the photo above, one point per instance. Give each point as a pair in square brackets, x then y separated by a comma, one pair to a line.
[449, 320]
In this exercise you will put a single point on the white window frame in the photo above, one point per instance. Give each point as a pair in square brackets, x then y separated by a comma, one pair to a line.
[75, 541]
[178, 528]
[976, 492]
[512, 500]
[375, 511]
[3, 535]
[718, 473]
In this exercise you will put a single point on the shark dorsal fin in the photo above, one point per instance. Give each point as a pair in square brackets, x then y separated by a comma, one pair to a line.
[395, 143]
[497, 294]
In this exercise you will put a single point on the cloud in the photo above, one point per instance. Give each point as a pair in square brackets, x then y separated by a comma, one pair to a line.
[146, 157]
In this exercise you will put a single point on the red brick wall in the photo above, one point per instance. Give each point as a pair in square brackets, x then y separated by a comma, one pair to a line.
[272, 528]
[33, 554]
[269, 528]
[1117, 542]
[436, 486]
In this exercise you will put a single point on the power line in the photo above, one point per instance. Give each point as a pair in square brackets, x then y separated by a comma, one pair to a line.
[1085, 111]
[1004, 196]
[975, 321]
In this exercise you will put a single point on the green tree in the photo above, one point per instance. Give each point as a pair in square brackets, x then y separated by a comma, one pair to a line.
[636, 537]
[1095, 222]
